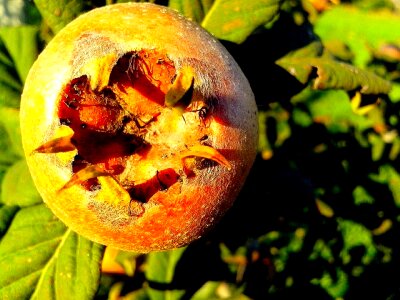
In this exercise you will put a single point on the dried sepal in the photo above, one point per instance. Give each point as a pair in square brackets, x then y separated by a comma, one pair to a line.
[180, 86]
[61, 144]
[206, 152]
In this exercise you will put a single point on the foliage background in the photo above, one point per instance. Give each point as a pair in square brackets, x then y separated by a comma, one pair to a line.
[319, 216]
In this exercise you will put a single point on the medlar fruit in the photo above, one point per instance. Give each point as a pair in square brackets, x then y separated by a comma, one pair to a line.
[139, 128]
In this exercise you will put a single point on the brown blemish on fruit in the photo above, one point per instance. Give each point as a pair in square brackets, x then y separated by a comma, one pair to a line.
[159, 182]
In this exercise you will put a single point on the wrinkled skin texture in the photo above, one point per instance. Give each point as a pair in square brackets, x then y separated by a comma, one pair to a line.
[138, 127]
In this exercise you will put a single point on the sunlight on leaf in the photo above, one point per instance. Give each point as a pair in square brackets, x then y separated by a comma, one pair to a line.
[21, 44]
[17, 187]
[359, 29]
[331, 74]
[160, 269]
[194, 10]
[235, 20]
[57, 14]
[40, 258]
[9, 120]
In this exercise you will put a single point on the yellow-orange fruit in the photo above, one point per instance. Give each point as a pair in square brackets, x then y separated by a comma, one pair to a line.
[139, 128]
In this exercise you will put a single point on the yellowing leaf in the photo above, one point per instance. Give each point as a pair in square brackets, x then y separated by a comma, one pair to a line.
[324, 208]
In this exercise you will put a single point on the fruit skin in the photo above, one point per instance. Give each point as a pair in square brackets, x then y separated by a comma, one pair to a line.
[186, 210]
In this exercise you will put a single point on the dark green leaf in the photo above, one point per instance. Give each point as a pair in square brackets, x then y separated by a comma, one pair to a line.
[331, 74]
[235, 20]
[6, 215]
[10, 85]
[160, 269]
[21, 44]
[59, 13]
[42, 259]
[17, 187]
[195, 10]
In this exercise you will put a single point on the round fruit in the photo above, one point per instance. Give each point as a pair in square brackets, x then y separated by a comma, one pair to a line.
[138, 127]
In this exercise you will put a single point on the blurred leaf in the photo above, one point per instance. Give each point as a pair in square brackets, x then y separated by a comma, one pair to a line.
[385, 226]
[219, 290]
[195, 10]
[128, 261]
[12, 12]
[336, 286]
[41, 259]
[10, 138]
[235, 20]
[136, 295]
[160, 269]
[9, 95]
[18, 188]
[59, 13]
[21, 44]
[358, 108]
[9, 120]
[361, 196]
[325, 73]
[332, 108]
[359, 29]
[6, 215]
[324, 208]
[354, 235]
[388, 175]
[323, 250]
[207, 291]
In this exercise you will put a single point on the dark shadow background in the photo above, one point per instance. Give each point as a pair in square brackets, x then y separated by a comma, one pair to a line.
[279, 195]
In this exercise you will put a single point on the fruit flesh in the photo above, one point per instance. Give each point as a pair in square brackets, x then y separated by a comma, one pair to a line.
[163, 191]
[119, 126]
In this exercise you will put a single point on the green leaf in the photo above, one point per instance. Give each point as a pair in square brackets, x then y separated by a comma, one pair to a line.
[336, 285]
[361, 196]
[21, 44]
[219, 290]
[354, 235]
[10, 85]
[332, 108]
[6, 215]
[10, 139]
[160, 269]
[207, 291]
[9, 120]
[359, 29]
[59, 13]
[40, 258]
[18, 188]
[388, 175]
[195, 10]
[331, 74]
[235, 20]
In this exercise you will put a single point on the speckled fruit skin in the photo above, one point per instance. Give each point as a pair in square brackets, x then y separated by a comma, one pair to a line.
[186, 210]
